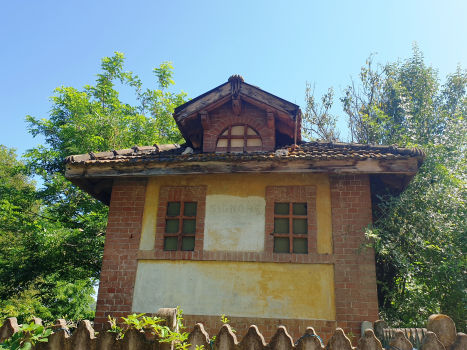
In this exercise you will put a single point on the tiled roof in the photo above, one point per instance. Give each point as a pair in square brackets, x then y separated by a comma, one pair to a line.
[307, 150]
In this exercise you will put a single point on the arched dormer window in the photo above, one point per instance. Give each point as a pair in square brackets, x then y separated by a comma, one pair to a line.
[238, 138]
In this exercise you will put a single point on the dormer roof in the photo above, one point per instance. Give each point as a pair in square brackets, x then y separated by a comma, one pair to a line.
[287, 115]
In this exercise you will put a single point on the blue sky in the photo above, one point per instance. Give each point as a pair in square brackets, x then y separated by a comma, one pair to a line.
[276, 45]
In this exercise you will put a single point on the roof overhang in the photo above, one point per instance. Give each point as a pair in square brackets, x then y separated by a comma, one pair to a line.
[96, 177]
[149, 168]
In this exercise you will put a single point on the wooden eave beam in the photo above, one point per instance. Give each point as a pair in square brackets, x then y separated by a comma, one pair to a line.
[266, 107]
[191, 131]
[205, 120]
[271, 120]
[209, 108]
[90, 188]
[237, 105]
[350, 166]
[282, 116]
[269, 99]
[204, 103]
[185, 115]
[284, 129]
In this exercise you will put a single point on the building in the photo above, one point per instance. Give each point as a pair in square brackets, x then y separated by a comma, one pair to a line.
[249, 221]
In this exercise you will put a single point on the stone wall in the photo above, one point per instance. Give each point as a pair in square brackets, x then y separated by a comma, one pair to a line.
[441, 335]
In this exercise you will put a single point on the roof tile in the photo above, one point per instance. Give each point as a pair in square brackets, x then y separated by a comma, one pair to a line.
[307, 150]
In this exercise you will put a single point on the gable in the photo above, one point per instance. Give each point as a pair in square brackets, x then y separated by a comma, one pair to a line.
[283, 118]
[230, 131]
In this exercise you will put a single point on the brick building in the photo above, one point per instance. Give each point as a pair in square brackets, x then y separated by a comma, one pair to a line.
[240, 220]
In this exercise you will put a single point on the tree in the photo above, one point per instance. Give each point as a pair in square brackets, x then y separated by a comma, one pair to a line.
[419, 236]
[33, 247]
[318, 122]
[60, 257]
[364, 105]
[420, 240]
[95, 120]
[394, 103]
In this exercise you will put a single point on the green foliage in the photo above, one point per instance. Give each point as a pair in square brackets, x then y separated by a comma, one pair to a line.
[351, 336]
[317, 120]
[95, 120]
[27, 336]
[23, 306]
[52, 238]
[153, 324]
[394, 103]
[33, 253]
[51, 300]
[364, 105]
[224, 320]
[420, 235]
[421, 238]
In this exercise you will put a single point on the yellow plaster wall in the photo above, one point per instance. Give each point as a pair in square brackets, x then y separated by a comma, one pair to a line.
[243, 186]
[247, 289]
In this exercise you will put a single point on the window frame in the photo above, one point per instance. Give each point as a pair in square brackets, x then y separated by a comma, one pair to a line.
[182, 194]
[180, 234]
[291, 235]
[229, 137]
[291, 195]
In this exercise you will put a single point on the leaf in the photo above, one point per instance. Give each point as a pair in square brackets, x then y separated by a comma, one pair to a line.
[26, 346]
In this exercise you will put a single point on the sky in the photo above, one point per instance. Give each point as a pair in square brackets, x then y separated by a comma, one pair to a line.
[276, 45]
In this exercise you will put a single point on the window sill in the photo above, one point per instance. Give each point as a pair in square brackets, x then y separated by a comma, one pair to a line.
[311, 258]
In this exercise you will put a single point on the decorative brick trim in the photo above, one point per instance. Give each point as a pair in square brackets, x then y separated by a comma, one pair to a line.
[223, 117]
[181, 194]
[311, 258]
[291, 194]
[119, 263]
[355, 274]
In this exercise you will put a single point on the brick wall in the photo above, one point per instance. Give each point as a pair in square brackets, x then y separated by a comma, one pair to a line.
[223, 117]
[121, 249]
[355, 274]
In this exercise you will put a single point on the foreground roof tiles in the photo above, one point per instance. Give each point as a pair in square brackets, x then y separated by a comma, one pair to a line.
[307, 150]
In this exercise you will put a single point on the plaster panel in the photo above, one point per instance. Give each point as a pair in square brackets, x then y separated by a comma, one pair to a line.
[247, 289]
[234, 223]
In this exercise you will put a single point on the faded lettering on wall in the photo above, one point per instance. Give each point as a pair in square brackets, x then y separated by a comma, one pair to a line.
[234, 223]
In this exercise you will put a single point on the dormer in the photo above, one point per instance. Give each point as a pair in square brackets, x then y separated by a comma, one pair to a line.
[237, 117]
